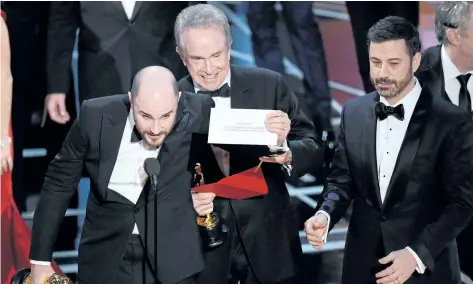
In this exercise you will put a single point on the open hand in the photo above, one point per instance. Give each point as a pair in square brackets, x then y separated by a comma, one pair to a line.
[401, 269]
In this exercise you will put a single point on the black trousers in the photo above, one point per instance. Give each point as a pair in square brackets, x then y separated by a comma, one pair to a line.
[366, 274]
[306, 39]
[465, 250]
[228, 264]
[135, 267]
[364, 14]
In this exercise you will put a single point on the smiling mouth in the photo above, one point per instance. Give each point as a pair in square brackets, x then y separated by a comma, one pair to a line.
[209, 78]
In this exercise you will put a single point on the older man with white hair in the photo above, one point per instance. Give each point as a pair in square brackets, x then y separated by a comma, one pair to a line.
[446, 69]
[263, 245]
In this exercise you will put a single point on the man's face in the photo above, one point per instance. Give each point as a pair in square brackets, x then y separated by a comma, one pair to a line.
[206, 56]
[155, 115]
[391, 68]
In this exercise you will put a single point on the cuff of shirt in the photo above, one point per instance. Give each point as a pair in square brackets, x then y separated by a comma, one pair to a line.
[40, 262]
[420, 268]
[324, 238]
[287, 167]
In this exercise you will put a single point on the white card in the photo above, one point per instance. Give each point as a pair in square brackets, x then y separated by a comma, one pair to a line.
[240, 126]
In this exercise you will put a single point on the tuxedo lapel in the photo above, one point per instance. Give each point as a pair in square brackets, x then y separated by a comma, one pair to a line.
[186, 85]
[240, 93]
[119, 7]
[402, 171]
[113, 124]
[368, 158]
[136, 9]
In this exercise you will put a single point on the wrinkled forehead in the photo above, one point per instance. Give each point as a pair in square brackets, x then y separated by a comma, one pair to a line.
[204, 40]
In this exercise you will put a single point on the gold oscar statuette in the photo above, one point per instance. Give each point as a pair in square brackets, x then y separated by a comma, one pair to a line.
[23, 277]
[212, 229]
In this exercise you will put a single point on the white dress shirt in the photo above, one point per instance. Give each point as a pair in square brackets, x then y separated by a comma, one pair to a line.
[388, 145]
[128, 176]
[450, 74]
[128, 6]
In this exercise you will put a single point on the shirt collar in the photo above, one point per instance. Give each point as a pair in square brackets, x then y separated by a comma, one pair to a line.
[409, 101]
[131, 119]
[226, 81]
[450, 71]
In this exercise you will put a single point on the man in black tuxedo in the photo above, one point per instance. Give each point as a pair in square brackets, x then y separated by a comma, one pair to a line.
[405, 158]
[115, 40]
[132, 233]
[446, 70]
[263, 245]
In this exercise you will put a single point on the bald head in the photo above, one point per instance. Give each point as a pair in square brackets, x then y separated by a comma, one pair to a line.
[154, 98]
[154, 80]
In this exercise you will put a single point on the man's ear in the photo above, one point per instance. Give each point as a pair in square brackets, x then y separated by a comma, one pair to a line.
[180, 93]
[181, 55]
[129, 98]
[453, 37]
[416, 61]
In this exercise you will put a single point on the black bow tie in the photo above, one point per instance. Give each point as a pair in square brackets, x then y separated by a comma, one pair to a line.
[135, 135]
[223, 92]
[383, 111]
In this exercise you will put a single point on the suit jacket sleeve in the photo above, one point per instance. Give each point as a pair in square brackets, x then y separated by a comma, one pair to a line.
[62, 28]
[60, 183]
[306, 147]
[337, 193]
[199, 107]
[457, 169]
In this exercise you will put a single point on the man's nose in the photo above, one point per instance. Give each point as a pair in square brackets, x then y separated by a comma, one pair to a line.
[208, 67]
[383, 71]
[156, 127]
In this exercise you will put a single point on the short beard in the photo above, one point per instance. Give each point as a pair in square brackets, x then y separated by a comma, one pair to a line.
[397, 88]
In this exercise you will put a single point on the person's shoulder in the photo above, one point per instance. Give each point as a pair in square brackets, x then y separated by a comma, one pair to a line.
[256, 72]
[447, 112]
[360, 103]
[430, 58]
[104, 104]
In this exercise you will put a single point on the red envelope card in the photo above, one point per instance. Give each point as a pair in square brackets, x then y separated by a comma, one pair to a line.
[243, 185]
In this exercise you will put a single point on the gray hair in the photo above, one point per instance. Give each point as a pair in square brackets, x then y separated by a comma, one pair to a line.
[201, 16]
[451, 15]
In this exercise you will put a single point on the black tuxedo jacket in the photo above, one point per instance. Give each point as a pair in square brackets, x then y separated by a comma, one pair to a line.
[429, 199]
[268, 226]
[94, 142]
[111, 47]
[430, 72]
